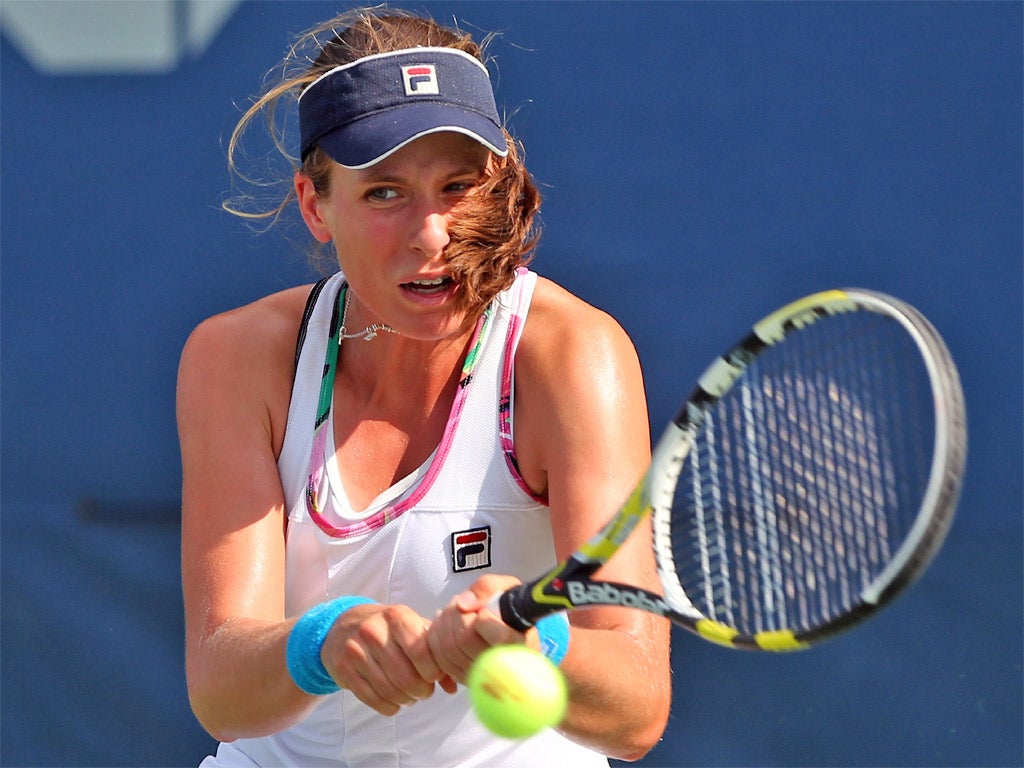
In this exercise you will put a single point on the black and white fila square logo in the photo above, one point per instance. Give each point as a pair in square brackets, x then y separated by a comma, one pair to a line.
[471, 549]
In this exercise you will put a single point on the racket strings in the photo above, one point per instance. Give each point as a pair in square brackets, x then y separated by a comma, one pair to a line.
[805, 477]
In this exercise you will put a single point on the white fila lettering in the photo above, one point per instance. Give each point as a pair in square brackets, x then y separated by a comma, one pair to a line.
[420, 80]
[606, 594]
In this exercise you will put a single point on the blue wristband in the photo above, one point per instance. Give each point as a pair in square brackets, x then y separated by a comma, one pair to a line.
[307, 640]
[553, 633]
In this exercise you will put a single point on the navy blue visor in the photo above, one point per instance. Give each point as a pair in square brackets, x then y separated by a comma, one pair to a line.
[359, 113]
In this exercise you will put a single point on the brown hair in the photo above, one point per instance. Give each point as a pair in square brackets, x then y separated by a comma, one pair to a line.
[493, 231]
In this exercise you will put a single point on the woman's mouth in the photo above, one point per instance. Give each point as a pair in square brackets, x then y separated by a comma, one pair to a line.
[432, 289]
[429, 286]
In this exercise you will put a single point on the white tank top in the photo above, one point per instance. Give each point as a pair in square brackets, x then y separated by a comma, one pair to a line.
[465, 512]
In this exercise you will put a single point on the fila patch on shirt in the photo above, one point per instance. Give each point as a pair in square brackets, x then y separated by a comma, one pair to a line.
[471, 549]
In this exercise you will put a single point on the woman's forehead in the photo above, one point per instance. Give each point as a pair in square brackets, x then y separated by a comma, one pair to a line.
[443, 150]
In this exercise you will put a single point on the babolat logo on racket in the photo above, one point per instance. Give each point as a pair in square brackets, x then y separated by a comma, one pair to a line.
[581, 593]
[471, 549]
[420, 80]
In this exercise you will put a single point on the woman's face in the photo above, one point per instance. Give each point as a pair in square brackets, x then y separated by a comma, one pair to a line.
[389, 224]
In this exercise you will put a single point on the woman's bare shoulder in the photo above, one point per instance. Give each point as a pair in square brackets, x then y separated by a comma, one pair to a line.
[260, 327]
[241, 362]
[575, 358]
[562, 325]
[581, 418]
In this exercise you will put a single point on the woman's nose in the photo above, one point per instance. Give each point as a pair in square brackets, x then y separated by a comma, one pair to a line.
[431, 236]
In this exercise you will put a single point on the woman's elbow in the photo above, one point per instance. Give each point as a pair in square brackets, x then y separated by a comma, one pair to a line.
[645, 735]
[208, 710]
[229, 713]
[643, 741]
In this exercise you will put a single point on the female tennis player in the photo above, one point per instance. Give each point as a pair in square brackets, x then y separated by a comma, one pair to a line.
[369, 460]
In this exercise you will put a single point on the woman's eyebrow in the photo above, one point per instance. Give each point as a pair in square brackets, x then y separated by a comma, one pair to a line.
[378, 175]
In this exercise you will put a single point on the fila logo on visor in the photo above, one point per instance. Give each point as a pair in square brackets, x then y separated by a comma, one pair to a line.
[420, 80]
[471, 549]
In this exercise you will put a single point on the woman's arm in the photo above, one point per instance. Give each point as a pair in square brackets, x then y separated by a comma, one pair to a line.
[582, 439]
[234, 389]
[230, 392]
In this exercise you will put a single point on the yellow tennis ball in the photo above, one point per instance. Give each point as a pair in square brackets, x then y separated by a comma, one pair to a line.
[516, 691]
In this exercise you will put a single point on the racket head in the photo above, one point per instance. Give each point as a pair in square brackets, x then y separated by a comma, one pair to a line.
[811, 476]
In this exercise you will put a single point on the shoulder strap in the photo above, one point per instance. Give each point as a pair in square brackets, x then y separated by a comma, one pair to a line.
[314, 294]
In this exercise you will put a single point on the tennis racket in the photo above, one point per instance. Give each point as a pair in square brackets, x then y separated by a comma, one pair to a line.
[810, 477]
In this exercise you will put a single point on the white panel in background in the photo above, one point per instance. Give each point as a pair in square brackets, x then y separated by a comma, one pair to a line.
[111, 36]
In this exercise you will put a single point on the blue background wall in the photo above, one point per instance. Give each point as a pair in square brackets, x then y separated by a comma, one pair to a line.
[702, 163]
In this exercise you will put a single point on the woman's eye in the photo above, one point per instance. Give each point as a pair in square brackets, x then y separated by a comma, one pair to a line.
[461, 187]
[382, 194]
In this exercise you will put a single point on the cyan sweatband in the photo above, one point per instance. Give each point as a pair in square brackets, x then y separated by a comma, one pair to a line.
[553, 633]
[307, 640]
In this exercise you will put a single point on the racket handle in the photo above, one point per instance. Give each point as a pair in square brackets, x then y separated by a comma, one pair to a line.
[507, 605]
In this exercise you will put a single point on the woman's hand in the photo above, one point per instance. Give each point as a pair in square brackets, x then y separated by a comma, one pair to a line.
[380, 653]
[466, 627]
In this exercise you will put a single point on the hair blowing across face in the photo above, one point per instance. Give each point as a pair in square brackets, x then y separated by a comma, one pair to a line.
[492, 231]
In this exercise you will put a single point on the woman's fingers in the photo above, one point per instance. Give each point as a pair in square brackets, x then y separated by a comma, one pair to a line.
[380, 653]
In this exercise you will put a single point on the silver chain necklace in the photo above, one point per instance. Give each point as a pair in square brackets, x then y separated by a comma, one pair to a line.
[368, 333]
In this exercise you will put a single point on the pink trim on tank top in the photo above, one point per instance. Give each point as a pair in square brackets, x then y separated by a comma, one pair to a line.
[392, 512]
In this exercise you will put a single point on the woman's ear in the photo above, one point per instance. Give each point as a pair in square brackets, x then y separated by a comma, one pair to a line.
[309, 207]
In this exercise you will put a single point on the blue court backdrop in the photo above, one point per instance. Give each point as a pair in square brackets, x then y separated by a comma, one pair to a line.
[702, 163]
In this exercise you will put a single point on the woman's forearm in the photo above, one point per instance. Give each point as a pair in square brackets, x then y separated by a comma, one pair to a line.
[619, 698]
[238, 682]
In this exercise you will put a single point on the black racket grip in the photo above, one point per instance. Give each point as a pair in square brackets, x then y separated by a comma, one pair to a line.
[511, 606]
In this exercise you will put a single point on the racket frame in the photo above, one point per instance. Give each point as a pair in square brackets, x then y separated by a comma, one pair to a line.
[569, 585]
